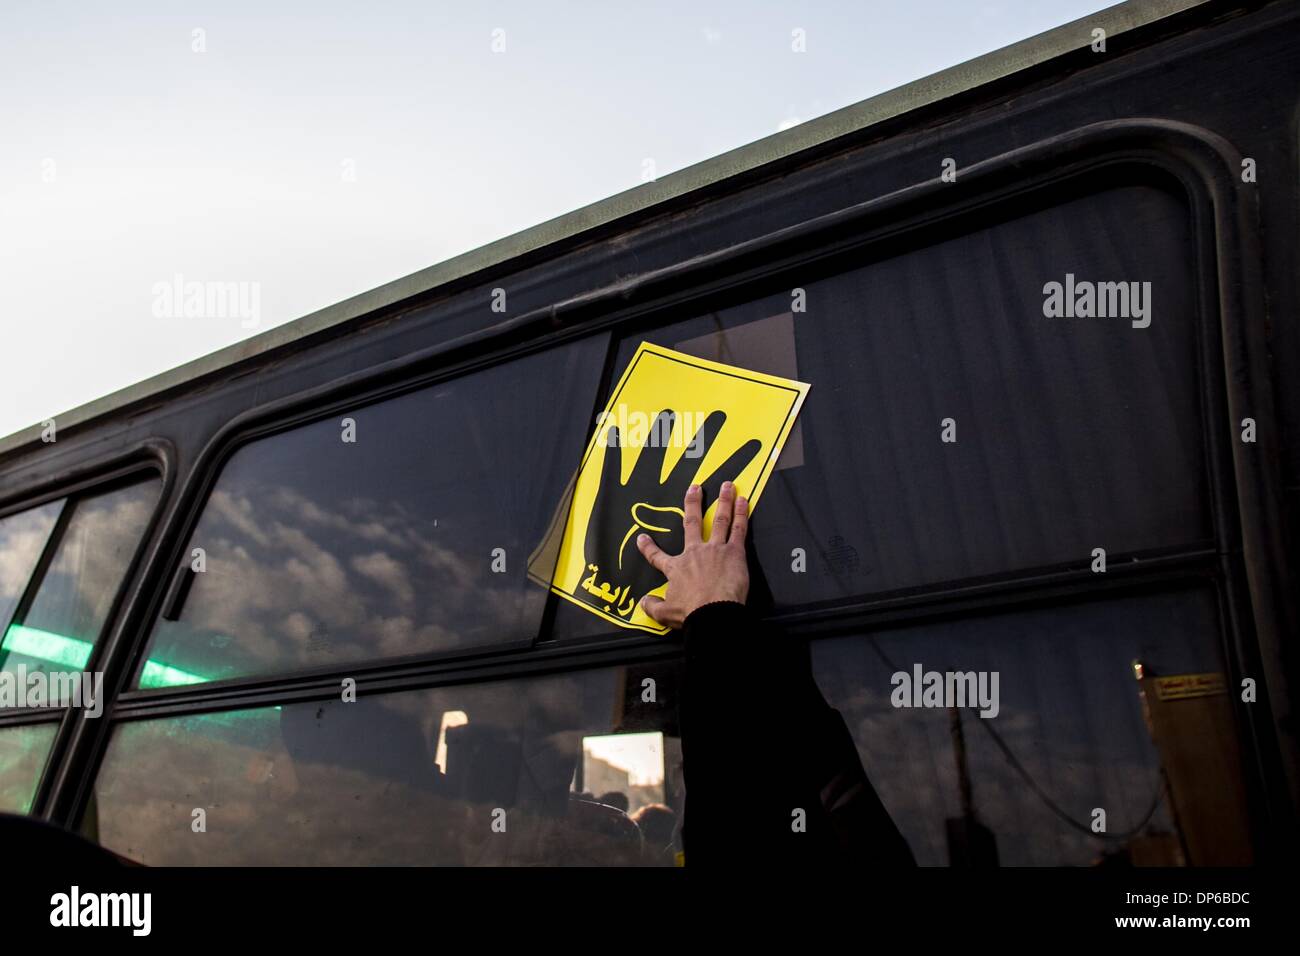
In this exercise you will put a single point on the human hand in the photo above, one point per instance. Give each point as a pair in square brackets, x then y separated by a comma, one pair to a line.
[647, 502]
[706, 571]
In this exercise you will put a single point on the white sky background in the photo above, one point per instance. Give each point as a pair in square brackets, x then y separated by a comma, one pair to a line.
[226, 166]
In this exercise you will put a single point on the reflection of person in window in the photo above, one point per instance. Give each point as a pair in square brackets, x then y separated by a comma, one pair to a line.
[772, 772]
[615, 799]
[657, 823]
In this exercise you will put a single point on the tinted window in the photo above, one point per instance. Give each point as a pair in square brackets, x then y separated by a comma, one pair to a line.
[413, 537]
[22, 539]
[1073, 715]
[22, 758]
[416, 778]
[59, 630]
[1070, 433]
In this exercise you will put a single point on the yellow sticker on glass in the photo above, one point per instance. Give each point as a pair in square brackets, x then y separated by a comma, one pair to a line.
[673, 420]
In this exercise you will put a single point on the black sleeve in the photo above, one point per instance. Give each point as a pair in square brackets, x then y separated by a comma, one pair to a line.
[760, 744]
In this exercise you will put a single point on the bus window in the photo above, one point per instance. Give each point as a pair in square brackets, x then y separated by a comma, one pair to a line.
[489, 774]
[58, 632]
[953, 431]
[22, 539]
[23, 751]
[1108, 738]
[395, 529]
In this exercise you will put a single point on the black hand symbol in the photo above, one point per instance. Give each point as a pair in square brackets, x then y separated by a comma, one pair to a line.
[615, 577]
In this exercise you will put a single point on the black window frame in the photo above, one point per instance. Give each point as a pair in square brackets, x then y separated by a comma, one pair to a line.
[147, 461]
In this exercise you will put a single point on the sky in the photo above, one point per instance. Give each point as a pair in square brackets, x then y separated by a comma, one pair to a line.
[307, 152]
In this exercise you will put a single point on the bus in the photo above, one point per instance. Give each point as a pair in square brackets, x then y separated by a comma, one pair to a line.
[1046, 302]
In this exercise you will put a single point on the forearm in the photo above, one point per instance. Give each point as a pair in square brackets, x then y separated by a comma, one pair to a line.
[761, 745]
[772, 773]
[741, 673]
[754, 737]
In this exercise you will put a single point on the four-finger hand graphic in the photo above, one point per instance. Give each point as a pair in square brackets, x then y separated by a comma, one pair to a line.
[615, 578]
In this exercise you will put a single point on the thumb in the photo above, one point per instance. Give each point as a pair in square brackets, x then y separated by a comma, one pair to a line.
[652, 605]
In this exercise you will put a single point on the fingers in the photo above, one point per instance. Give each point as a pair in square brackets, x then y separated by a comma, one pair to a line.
[691, 519]
[722, 514]
[613, 468]
[657, 557]
[650, 460]
[697, 448]
[652, 606]
[739, 523]
[740, 459]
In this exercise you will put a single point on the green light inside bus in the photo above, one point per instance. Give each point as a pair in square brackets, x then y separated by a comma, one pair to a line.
[72, 652]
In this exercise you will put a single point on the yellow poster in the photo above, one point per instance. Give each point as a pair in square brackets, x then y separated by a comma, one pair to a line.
[673, 420]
